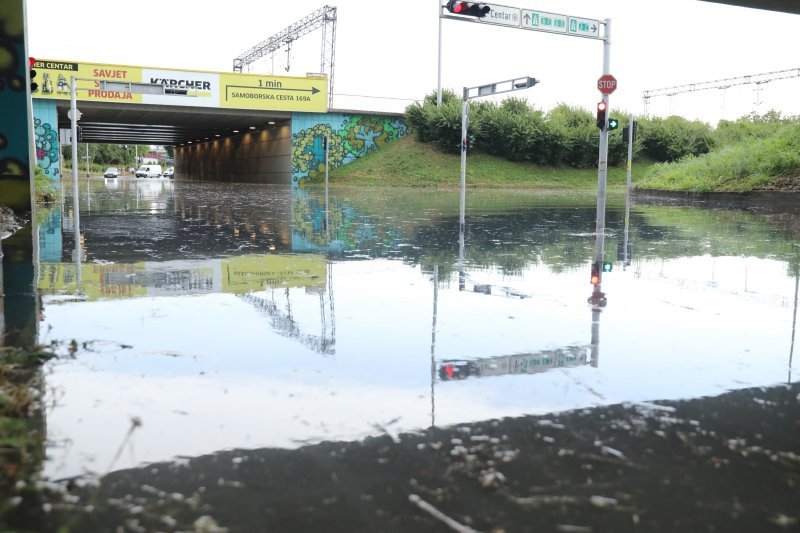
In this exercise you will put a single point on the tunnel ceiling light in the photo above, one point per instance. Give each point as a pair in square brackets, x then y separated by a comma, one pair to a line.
[235, 131]
[271, 122]
[216, 135]
[252, 127]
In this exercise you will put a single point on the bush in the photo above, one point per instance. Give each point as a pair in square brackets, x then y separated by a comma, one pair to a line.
[673, 138]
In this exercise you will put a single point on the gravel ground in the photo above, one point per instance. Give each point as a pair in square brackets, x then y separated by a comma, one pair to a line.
[725, 463]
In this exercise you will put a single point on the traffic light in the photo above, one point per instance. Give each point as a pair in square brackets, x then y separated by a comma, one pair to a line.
[607, 266]
[595, 280]
[32, 74]
[472, 9]
[601, 115]
[626, 131]
[613, 123]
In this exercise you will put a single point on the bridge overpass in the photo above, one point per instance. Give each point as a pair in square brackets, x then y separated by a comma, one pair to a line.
[224, 126]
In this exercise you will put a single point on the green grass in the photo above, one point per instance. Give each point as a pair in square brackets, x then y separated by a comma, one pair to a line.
[411, 163]
[770, 163]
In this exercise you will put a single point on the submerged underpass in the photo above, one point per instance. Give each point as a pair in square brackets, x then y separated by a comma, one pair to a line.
[226, 127]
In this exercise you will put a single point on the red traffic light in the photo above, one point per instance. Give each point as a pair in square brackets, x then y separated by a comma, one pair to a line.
[472, 9]
[31, 61]
[595, 279]
[601, 115]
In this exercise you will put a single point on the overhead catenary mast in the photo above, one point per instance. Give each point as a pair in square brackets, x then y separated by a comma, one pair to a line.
[324, 18]
[725, 83]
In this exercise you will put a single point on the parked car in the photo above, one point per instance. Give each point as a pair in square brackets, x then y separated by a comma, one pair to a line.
[112, 172]
[169, 173]
[148, 171]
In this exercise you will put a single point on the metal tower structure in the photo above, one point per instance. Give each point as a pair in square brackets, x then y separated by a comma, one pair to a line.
[324, 18]
[725, 83]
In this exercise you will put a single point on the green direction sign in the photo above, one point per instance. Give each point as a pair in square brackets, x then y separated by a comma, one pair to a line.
[543, 21]
[580, 27]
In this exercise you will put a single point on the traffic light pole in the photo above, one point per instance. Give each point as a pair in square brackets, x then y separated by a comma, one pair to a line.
[602, 174]
[464, 127]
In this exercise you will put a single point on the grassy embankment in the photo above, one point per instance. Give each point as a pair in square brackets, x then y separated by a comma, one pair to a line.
[768, 163]
[411, 163]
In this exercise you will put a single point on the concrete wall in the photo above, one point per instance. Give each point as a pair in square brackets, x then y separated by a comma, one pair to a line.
[45, 129]
[16, 123]
[254, 157]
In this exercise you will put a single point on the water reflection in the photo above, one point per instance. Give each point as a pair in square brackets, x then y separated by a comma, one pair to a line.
[208, 312]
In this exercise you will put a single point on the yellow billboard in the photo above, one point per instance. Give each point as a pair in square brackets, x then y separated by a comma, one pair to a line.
[247, 91]
[203, 89]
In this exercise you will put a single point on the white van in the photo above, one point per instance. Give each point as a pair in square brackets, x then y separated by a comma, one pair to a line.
[148, 171]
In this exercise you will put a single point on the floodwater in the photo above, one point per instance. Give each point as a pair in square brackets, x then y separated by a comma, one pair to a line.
[215, 317]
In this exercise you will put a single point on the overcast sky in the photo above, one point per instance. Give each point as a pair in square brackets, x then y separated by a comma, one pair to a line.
[386, 52]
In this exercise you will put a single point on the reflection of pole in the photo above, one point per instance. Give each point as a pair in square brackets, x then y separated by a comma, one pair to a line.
[627, 194]
[595, 336]
[794, 320]
[461, 275]
[463, 197]
[433, 340]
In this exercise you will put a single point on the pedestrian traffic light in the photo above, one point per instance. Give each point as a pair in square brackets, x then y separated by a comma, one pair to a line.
[601, 115]
[613, 123]
[595, 280]
[607, 266]
[32, 74]
[472, 9]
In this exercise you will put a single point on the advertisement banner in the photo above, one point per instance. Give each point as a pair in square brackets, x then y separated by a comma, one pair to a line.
[203, 89]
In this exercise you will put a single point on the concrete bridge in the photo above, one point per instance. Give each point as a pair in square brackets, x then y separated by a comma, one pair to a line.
[224, 126]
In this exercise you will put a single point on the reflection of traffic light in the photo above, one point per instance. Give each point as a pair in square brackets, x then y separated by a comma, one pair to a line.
[454, 369]
[32, 73]
[472, 9]
[601, 115]
[607, 266]
[595, 273]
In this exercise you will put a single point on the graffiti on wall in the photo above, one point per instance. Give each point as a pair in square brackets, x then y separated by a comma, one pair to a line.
[349, 137]
[13, 95]
[46, 148]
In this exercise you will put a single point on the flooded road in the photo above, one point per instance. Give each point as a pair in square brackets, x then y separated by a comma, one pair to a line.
[224, 317]
[210, 318]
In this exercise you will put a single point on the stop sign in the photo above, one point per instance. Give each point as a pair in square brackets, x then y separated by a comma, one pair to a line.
[606, 84]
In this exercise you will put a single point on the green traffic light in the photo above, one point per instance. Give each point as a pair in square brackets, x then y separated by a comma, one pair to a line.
[613, 123]
[608, 264]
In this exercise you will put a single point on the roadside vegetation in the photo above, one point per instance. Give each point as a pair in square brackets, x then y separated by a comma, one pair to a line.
[512, 144]
[45, 190]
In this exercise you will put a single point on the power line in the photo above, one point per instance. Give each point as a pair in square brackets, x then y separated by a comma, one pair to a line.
[724, 83]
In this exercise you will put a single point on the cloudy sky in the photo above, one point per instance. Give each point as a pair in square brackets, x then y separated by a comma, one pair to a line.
[386, 52]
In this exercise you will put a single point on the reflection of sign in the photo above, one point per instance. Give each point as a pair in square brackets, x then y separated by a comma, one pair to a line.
[258, 272]
[529, 363]
[203, 89]
[237, 275]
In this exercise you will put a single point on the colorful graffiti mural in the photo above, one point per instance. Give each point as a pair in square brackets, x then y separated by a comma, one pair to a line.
[46, 148]
[14, 109]
[350, 137]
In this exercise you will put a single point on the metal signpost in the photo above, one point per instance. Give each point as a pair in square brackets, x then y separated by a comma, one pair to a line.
[499, 87]
[559, 24]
